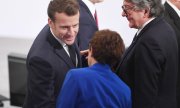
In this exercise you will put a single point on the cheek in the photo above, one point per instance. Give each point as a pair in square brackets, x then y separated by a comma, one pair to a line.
[131, 22]
[76, 29]
[134, 21]
[61, 31]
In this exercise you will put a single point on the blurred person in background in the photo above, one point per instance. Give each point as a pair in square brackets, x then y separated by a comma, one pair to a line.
[172, 16]
[88, 25]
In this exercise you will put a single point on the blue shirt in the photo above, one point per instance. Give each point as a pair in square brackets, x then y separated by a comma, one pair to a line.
[94, 87]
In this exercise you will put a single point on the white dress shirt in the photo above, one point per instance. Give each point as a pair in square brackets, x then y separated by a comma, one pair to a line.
[139, 30]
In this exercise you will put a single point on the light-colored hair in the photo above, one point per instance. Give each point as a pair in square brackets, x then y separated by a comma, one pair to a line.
[155, 7]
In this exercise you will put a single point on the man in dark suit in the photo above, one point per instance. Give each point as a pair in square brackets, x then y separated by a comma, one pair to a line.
[49, 58]
[150, 64]
[87, 22]
[87, 25]
[172, 16]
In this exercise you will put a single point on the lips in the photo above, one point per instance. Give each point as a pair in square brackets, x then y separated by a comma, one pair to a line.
[69, 38]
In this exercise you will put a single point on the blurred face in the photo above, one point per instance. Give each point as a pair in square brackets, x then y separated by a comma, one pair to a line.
[135, 17]
[65, 27]
[96, 1]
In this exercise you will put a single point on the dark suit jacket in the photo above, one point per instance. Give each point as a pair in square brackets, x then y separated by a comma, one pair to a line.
[149, 66]
[47, 65]
[87, 26]
[174, 20]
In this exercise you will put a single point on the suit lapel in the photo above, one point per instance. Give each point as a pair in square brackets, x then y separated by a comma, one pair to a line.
[59, 50]
[125, 55]
[64, 56]
[83, 5]
[127, 52]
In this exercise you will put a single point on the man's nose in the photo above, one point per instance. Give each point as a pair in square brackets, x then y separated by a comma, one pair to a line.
[71, 31]
[123, 14]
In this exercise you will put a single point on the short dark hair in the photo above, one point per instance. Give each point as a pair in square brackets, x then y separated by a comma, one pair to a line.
[107, 47]
[156, 7]
[69, 7]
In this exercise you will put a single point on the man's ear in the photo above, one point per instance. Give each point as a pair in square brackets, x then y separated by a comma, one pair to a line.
[146, 11]
[50, 22]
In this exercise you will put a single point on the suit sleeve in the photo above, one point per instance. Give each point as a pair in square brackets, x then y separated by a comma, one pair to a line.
[40, 84]
[149, 60]
[69, 92]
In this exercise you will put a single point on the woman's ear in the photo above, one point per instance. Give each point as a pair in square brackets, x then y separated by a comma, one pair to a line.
[90, 51]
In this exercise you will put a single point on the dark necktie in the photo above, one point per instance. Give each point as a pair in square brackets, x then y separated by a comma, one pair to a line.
[72, 54]
[135, 38]
[96, 18]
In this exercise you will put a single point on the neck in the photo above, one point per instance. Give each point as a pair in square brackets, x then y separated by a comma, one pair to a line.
[93, 61]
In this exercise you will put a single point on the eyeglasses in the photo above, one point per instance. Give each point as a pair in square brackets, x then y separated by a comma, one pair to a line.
[127, 8]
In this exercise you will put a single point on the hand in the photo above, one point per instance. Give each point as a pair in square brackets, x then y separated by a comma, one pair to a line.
[84, 52]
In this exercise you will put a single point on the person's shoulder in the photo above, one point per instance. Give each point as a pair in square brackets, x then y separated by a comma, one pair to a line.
[80, 72]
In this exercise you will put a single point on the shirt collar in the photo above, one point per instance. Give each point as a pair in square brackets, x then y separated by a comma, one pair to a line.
[139, 30]
[174, 7]
[90, 5]
[60, 41]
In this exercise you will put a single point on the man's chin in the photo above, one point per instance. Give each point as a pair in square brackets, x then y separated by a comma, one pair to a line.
[70, 42]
